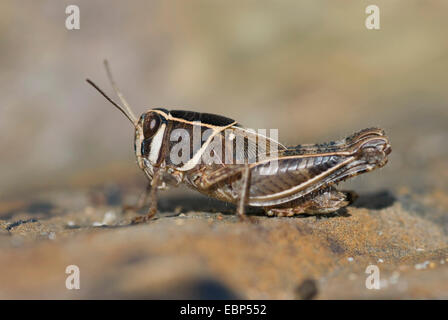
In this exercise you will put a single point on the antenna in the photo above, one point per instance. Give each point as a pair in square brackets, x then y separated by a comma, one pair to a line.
[126, 110]
[117, 91]
[130, 116]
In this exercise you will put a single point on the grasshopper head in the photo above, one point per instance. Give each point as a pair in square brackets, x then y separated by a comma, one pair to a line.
[149, 128]
[149, 134]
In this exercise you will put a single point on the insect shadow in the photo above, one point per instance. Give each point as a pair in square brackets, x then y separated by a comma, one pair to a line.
[200, 203]
[375, 200]
[343, 212]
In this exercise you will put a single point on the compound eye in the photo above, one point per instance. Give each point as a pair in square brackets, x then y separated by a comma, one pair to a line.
[151, 125]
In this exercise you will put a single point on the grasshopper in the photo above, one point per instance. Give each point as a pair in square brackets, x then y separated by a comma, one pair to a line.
[284, 181]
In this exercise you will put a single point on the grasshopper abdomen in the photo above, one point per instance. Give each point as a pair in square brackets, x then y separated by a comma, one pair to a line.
[303, 170]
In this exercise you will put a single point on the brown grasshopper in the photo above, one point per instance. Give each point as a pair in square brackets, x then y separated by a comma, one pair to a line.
[231, 163]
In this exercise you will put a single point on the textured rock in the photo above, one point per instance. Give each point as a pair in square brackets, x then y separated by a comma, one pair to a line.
[201, 254]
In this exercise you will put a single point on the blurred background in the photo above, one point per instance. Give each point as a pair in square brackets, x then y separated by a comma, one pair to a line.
[309, 68]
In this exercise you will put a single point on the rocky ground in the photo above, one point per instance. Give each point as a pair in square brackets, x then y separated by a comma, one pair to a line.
[197, 248]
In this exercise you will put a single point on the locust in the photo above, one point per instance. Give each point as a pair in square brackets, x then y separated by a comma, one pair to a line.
[220, 158]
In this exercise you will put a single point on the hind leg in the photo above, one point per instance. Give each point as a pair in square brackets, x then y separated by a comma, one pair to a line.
[325, 202]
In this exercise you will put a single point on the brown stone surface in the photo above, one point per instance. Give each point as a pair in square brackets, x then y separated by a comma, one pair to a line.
[197, 254]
